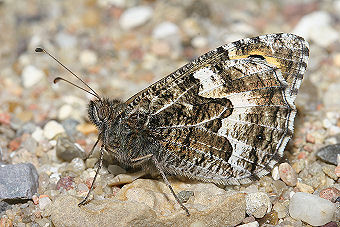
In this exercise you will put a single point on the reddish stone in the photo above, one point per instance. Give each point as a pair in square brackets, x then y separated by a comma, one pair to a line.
[310, 138]
[330, 224]
[337, 171]
[15, 144]
[65, 183]
[302, 155]
[330, 194]
[5, 118]
[287, 174]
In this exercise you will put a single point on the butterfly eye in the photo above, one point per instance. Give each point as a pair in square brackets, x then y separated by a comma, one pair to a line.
[102, 112]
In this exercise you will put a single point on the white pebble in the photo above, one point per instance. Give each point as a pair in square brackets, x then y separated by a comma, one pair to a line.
[199, 42]
[317, 27]
[135, 17]
[31, 76]
[276, 173]
[311, 209]
[44, 202]
[38, 134]
[164, 30]
[53, 128]
[250, 224]
[64, 112]
[88, 58]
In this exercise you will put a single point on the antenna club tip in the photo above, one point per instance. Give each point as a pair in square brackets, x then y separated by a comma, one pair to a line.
[39, 49]
[56, 80]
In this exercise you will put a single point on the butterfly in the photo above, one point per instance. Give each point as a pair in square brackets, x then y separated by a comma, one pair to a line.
[224, 117]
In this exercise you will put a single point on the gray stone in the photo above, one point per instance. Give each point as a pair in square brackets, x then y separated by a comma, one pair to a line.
[19, 181]
[67, 150]
[70, 126]
[28, 127]
[116, 170]
[329, 153]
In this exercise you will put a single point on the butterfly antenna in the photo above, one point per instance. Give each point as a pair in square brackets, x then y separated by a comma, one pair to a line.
[42, 50]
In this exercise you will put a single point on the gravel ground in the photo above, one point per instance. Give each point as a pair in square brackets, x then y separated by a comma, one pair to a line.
[120, 47]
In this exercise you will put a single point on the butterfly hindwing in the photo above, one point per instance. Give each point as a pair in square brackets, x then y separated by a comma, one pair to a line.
[227, 116]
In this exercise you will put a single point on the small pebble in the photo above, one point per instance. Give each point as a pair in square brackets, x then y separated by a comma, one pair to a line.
[250, 224]
[35, 199]
[308, 28]
[44, 202]
[165, 30]
[88, 58]
[184, 196]
[330, 194]
[116, 170]
[275, 173]
[248, 219]
[329, 170]
[281, 210]
[257, 204]
[311, 209]
[199, 42]
[125, 178]
[65, 111]
[310, 138]
[52, 128]
[77, 165]
[197, 224]
[331, 224]
[337, 170]
[67, 150]
[86, 128]
[304, 187]
[38, 134]
[134, 17]
[65, 183]
[31, 76]
[269, 219]
[299, 165]
[287, 174]
[329, 153]
[70, 126]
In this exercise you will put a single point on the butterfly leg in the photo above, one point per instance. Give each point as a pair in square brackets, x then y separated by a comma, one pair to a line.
[94, 146]
[159, 168]
[95, 176]
[142, 159]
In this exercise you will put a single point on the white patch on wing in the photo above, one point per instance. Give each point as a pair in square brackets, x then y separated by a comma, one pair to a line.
[208, 79]
[242, 105]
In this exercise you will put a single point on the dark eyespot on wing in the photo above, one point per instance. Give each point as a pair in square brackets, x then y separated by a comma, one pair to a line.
[257, 56]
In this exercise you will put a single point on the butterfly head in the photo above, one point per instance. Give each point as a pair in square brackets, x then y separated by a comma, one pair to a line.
[101, 111]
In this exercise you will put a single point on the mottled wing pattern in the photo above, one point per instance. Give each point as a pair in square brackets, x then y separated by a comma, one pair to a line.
[227, 116]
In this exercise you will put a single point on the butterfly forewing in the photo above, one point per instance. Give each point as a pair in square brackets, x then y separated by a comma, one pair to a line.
[226, 116]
